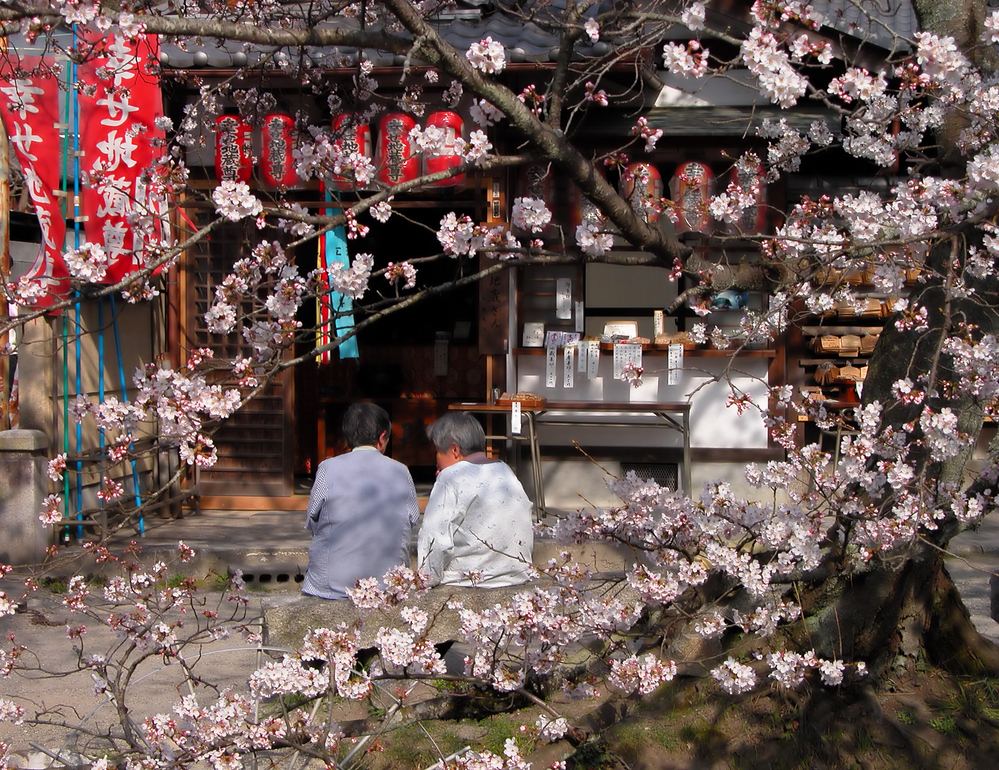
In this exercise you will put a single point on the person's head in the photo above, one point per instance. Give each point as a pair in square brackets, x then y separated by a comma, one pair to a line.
[455, 436]
[366, 424]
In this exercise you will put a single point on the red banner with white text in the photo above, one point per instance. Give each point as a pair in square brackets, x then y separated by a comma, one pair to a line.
[120, 102]
[29, 104]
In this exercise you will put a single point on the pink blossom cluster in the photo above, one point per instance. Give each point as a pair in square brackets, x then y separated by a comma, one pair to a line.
[531, 214]
[487, 55]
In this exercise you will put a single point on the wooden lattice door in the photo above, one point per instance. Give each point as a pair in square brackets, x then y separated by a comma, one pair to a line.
[255, 446]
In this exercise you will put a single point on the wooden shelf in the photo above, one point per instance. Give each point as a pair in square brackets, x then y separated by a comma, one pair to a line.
[699, 353]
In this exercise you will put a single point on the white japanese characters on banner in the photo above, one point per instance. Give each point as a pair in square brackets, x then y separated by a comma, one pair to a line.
[120, 102]
[29, 104]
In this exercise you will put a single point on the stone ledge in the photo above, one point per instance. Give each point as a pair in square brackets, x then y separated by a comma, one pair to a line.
[288, 618]
[23, 441]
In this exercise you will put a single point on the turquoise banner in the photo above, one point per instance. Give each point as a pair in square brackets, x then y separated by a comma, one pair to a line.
[336, 252]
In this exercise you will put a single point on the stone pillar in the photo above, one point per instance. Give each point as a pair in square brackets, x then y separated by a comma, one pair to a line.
[23, 485]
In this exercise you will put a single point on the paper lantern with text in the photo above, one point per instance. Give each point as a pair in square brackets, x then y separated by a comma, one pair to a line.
[450, 155]
[642, 187]
[396, 161]
[277, 166]
[691, 188]
[748, 177]
[350, 136]
[233, 149]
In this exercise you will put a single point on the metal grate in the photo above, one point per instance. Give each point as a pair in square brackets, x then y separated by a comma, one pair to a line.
[664, 474]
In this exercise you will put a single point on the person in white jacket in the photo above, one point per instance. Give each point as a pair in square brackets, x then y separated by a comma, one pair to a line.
[477, 528]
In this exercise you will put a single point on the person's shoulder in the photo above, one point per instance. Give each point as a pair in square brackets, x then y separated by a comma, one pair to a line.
[391, 462]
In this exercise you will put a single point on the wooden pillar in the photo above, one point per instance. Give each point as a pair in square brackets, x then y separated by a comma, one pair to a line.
[5, 368]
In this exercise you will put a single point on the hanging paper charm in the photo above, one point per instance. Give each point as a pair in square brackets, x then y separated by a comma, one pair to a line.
[396, 160]
[449, 156]
[233, 149]
[277, 166]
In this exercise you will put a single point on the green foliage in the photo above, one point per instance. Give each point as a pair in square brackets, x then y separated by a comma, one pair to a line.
[945, 725]
[56, 585]
[592, 755]
[498, 729]
[905, 716]
[628, 738]
[180, 580]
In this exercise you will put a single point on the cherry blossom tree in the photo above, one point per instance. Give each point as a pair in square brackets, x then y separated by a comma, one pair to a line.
[835, 574]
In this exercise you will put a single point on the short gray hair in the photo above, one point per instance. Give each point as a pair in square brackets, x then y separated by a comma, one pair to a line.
[459, 428]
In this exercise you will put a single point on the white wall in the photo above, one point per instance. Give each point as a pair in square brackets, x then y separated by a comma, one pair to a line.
[713, 423]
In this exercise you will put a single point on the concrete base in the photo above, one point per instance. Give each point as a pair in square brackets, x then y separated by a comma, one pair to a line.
[23, 468]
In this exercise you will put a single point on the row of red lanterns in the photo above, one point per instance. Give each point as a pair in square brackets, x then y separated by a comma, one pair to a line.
[397, 160]
[691, 188]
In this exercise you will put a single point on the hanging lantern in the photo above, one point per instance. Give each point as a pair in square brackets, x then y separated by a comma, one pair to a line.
[754, 218]
[642, 187]
[450, 155]
[349, 137]
[396, 160]
[277, 166]
[233, 149]
[536, 181]
[690, 189]
[582, 209]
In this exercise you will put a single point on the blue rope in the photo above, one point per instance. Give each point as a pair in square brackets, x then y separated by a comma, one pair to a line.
[124, 398]
[76, 240]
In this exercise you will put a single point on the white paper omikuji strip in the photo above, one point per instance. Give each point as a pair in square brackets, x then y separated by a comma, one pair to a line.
[551, 364]
[568, 369]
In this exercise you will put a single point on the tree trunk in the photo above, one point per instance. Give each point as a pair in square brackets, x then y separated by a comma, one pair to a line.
[890, 617]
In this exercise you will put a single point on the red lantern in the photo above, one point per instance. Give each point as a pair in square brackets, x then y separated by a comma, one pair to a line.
[277, 166]
[350, 137]
[396, 160]
[690, 189]
[233, 150]
[642, 187]
[749, 178]
[450, 154]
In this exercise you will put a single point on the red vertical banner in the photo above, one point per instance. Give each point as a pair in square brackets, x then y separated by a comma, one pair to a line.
[120, 103]
[30, 109]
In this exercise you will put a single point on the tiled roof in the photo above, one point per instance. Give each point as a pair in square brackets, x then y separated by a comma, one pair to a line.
[880, 22]
[529, 41]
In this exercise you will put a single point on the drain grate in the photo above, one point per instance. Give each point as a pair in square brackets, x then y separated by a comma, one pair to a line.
[666, 475]
[272, 579]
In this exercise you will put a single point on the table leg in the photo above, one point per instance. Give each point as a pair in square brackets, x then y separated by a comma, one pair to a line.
[538, 476]
[686, 455]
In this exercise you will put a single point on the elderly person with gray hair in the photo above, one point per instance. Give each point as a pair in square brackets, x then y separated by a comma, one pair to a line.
[477, 528]
[361, 510]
